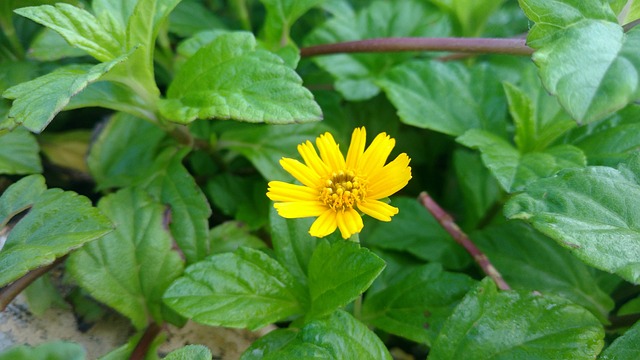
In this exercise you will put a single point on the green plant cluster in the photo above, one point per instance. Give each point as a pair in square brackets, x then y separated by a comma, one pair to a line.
[137, 139]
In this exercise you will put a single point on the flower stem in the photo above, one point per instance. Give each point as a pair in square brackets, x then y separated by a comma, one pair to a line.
[446, 221]
[466, 45]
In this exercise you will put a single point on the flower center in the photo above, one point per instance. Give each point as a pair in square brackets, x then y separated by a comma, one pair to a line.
[343, 190]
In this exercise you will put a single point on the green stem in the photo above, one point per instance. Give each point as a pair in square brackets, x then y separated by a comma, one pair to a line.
[240, 9]
[357, 307]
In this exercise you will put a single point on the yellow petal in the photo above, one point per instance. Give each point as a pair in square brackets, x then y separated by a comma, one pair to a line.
[282, 191]
[356, 148]
[349, 222]
[303, 173]
[324, 225]
[389, 179]
[330, 152]
[377, 209]
[300, 209]
[376, 154]
[311, 158]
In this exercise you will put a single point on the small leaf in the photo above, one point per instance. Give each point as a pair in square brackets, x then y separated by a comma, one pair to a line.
[230, 235]
[625, 347]
[242, 289]
[58, 350]
[19, 153]
[338, 273]
[517, 325]
[262, 88]
[471, 15]
[67, 149]
[190, 352]
[281, 14]
[130, 268]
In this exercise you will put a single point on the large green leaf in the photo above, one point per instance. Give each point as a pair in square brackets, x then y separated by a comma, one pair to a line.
[585, 58]
[356, 74]
[592, 212]
[242, 289]
[488, 324]
[19, 153]
[57, 223]
[59, 350]
[416, 304]
[421, 90]
[230, 79]
[338, 273]
[130, 268]
[626, 347]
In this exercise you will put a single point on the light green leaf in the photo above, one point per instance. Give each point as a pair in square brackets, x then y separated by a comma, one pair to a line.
[261, 89]
[38, 101]
[48, 45]
[19, 153]
[590, 211]
[514, 171]
[130, 268]
[230, 235]
[80, 28]
[626, 347]
[119, 10]
[529, 260]
[281, 14]
[57, 223]
[58, 350]
[471, 15]
[420, 90]
[338, 273]
[190, 352]
[357, 74]
[191, 17]
[242, 289]
[416, 305]
[488, 324]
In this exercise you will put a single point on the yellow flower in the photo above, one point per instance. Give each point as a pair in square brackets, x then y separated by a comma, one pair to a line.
[333, 187]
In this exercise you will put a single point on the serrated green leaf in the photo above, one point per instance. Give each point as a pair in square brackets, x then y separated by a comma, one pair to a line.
[488, 324]
[230, 235]
[625, 347]
[57, 223]
[338, 273]
[357, 74]
[416, 305]
[420, 90]
[262, 88]
[242, 289]
[130, 268]
[190, 352]
[427, 242]
[38, 101]
[58, 350]
[529, 260]
[19, 153]
[591, 212]
[513, 170]
[80, 28]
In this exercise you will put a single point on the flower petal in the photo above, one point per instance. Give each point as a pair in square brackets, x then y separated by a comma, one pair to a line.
[325, 224]
[376, 154]
[356, 148]
[303, 173]
[349, 222]
[378, 210]
[300, 209]
[389, 179]
[330, 152]
[311, 158]
[282, 191]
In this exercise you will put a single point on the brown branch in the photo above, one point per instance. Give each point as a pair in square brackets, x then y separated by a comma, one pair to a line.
[446, 221]
[142, 347]
[463, 45]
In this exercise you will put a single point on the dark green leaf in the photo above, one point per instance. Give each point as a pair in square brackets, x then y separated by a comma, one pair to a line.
[471, 15]
[191, 17]
[190, 352]
[242, 289]
[50, 351]
[242, 197]
[626, 347]
[281, 14]
[262, 88]
[130, 268]
[488, 324]
[51, 46]
[272, 344]
[229, 236]
[19, 153]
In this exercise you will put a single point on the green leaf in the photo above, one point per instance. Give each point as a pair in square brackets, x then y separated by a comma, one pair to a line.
[471, 15]
[130, 268]
[58, 350]
[488, 324]
[416, 305]
[80, 28]
[191, 17]
[118, 10]
[241, 197]
[114, 96]
[42, 295]
[338, 273]
[282, 344]
[529, 260]
[588, 87]
[357, 74]
[423, 87]
[625, 347]
[428, 241]
[281, 14]
[48, 45]
[230, 235]
[262, 88]
[19, 153]
[190, 352]
[590, 211]
[57, 223]
[38, 101]
[242, 289]
[513, 170]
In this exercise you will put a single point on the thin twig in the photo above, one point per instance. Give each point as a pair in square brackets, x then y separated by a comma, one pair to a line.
[464, 45]
[142, 347]
[446, 221]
